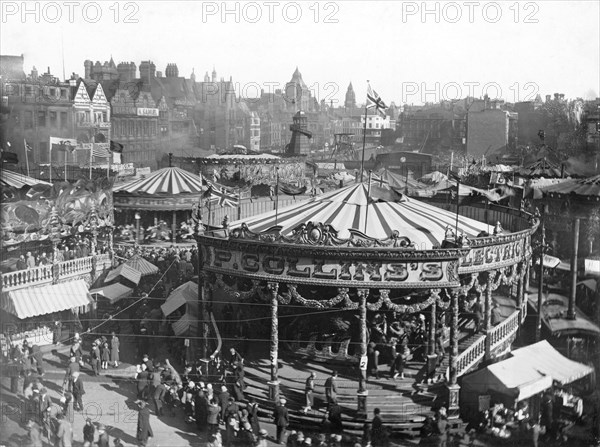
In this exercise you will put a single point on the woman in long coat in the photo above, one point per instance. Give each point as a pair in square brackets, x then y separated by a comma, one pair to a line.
[114, 350]
[144, 431]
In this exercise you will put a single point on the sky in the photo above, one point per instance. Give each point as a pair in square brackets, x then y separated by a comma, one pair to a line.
[411, 52]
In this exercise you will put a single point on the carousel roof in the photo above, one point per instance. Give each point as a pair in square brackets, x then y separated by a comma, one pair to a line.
[18, 181]
[544, 168]
[169, 181]
[583, 187]
[353, 207]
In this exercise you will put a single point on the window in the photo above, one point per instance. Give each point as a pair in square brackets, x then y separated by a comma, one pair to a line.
[28, 119]
[130, 127]
[41, 118]
[64, 120]
[63, 93]
[28, 90]
[52, 92]
[52, 119]
[43, 152]
[104, 117]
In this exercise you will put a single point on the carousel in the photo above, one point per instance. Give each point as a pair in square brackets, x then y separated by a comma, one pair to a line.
[169, 190]
[354, 251]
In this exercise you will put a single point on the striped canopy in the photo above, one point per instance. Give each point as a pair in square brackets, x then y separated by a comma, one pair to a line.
[584, 187]
[352, 207]
[18, 181]
[543, 168]
[167, 181]
[142, 266]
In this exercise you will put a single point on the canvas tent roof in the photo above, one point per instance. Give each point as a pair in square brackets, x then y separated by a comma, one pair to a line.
[185, 294]
[113, 292]
[127, 272]
[508, 377]
[544, 358]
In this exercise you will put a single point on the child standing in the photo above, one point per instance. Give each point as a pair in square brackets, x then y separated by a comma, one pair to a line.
[105, 355]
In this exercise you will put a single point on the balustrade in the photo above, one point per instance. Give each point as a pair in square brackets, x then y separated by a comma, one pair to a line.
[500, 333]
[24, 278]
[43, 274]
[470, 356]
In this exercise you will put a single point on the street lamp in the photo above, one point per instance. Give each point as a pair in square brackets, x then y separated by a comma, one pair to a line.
[137, 227]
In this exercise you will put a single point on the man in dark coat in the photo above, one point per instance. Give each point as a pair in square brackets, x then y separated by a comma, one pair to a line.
[103, 438]
[213, 417]
[223, 401]
[253, 416]
[95, 355]
[144, 431]
[89, 431]
[158, 396]
[282, 419]
[378, 434]
[142, 383]
[331, 388]
[78, 391]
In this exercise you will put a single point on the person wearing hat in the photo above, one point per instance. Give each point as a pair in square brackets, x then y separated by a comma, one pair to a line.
[78, 391]
[212, 418]
[378, 432]
[89, 432]
[299, 438]
[64, 432]
[34, 433]
[331, 388]
[282, 419]
[144, 430]
[307, 442]
[142, 382]
[309, 389]
[253, 416]
[95, 358]
[262, 438]
[223, 401]
[103, 438]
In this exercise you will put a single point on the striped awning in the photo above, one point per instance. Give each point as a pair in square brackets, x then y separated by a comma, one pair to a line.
[127, 272]
[184, 324]
[45, 300]
[184, 294]
[17, 180]
[352, 208]
[169, 181]
[587, 187]
[113, 292]
[142, 266]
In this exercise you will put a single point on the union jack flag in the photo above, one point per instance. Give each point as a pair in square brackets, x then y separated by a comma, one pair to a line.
[222, 195]
[374, 100]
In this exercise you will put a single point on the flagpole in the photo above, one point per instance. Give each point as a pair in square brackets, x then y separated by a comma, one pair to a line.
[362, 161]
[239, 210]
[276, 195]
[368, 195]
[50, 160]
[457, 205]
[26, 157]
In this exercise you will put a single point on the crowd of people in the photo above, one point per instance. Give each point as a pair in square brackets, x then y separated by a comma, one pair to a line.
[160, 232]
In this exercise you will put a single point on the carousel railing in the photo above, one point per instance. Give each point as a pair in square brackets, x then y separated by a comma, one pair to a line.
[504, 330]
[25, 278]
[470, 356]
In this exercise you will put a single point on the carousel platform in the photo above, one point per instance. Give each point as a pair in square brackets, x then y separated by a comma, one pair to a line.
[403, 406]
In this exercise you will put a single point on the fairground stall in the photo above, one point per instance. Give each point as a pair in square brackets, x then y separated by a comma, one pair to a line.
[351, 254]
[56, 242]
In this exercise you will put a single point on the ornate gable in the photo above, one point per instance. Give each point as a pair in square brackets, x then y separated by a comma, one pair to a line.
[82, 97]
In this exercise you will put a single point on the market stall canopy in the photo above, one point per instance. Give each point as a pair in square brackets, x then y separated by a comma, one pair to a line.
[45, 300]
[589, 283]
[184, 324]
[168, 181]
[185, 294]
[243, 157]
[113, 292]
[588, 187]
[127, 272]
[353, 208]
[508, 377]
[142, 266]
[547, 360]
[17, 180]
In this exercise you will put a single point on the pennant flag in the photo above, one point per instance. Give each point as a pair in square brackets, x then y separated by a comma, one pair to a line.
[63, 144]
[28, 147]
[374, 100]
[116, 147]
[291, 190]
